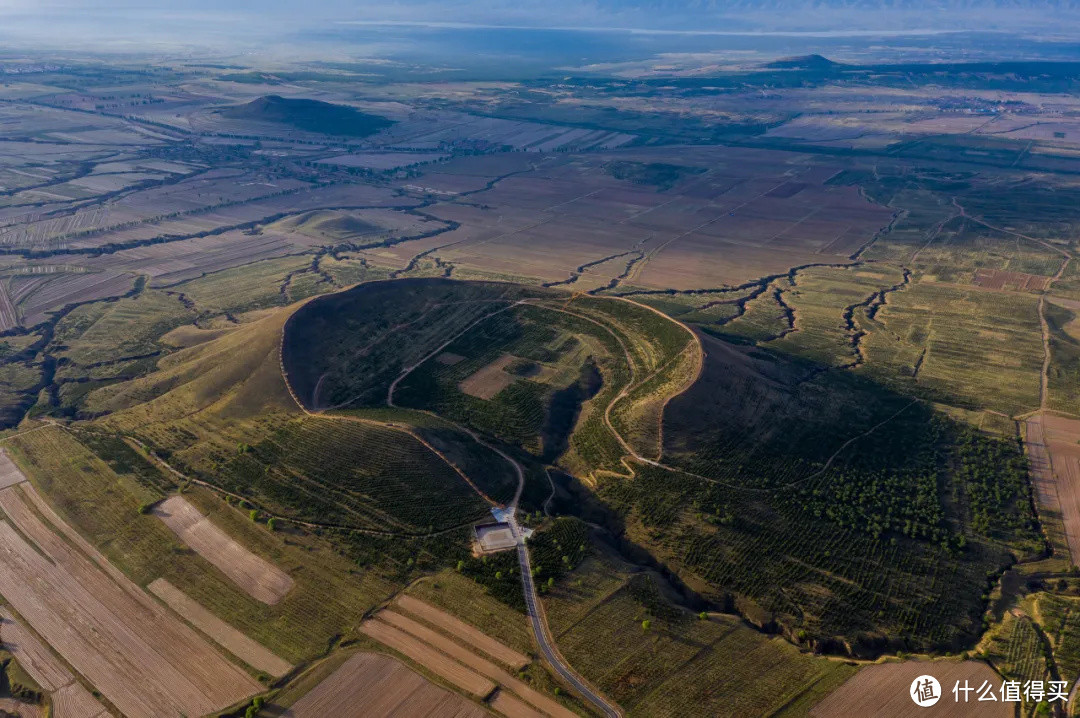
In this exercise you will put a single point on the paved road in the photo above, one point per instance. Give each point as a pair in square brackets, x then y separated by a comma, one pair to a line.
[540, 631]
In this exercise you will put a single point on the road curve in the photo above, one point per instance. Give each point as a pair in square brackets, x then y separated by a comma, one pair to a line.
[543, 639]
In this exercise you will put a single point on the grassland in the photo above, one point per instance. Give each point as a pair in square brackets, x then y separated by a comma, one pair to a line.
[350, 474]
[244, 288]
[965, 347]
[1063, 375]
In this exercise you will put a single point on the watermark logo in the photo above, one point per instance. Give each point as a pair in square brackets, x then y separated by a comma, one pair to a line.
[925, 691]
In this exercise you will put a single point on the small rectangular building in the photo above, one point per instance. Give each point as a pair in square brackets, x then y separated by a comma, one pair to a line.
[494, 537]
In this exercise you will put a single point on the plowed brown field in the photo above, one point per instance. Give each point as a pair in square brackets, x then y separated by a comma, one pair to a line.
[232, 640]
[459, 629]
[451, 671]
[141, 658]
[883, 691]
[370, 685]
[259, 578]
[481, 665]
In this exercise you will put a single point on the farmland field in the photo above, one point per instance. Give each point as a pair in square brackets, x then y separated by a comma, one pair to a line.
[681, 664]
[255, 576]
[228, 637]
[319, 606]
[83, 618]
[369, 684]
[882, 691]
[762, 350]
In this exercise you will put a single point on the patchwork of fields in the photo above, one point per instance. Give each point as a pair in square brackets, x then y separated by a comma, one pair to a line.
[266, 379]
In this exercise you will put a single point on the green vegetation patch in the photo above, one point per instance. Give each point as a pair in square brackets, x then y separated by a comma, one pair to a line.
[348, 473]
[830, 506]
[661, 175]
[657, 659]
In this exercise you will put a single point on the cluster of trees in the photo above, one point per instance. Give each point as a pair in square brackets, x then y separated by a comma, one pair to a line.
[993, 476]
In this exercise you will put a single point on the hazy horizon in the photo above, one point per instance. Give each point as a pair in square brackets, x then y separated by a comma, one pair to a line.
[246, 26]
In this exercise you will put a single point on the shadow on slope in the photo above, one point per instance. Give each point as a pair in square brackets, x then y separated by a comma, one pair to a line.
[828, 507]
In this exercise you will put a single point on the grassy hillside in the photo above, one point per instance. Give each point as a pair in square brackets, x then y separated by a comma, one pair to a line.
[850, 516]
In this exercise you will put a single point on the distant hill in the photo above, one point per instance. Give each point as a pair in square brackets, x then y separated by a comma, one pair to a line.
[803, 62]
[309, 115]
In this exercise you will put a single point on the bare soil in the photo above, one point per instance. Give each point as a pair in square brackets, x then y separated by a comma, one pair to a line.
[232, 640]
[511, 707]
[1018, 281]
[883, 691]
[1060, 440]
[463, 631]
[481, 665]
[256, 576]
[449, 670]
[490, 380]
[9, 472]
[370, 685]
[145, 661]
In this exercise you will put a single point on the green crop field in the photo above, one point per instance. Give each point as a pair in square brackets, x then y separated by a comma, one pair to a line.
[347, 473]
[96, 333]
